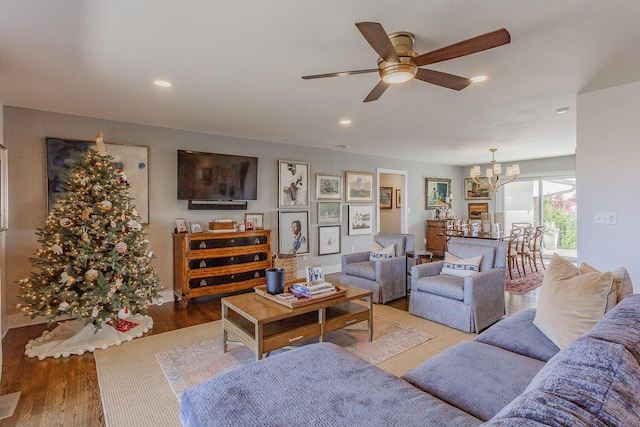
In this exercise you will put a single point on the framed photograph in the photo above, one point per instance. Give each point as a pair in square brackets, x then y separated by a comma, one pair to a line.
[181, 225]
[472, 191]
[360, 220]
[436, 191]
[133, 160]
[293, 232]
[329, 239]
[328, 187]
[254, 221]
[314, 273]
[386, 197]
[4, 189]
[359, 187]
[293, 186]
[329, 212]
[477, 209]
[398, 198]
[195, 227]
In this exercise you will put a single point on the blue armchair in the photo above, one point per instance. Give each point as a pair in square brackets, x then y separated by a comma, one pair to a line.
[470, 303]
[387, 278]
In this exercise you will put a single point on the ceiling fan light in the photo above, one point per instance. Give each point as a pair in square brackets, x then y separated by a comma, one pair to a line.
[398, 73]
[397, 77]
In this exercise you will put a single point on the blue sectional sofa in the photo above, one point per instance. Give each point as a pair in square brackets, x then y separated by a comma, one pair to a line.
[510, 375]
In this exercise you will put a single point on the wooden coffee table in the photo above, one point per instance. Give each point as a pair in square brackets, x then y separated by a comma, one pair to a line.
[264, 325]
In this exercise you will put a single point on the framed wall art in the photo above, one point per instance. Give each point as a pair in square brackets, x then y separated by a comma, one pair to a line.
[293, 185]
[329, 239]
[328, 187]
[293, 232]
[254, 221]
[360, 220]
[398, 198]
[472, 191]
[386, 197]
[329, 212]
[477, 209]
[4, 189]
[436, 191]
[133, 160]
[359, 187]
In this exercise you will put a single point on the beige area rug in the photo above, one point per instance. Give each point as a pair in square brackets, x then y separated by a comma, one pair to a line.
[135, 391]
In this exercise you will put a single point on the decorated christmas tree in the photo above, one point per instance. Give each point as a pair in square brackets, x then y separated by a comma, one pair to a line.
[94, 263]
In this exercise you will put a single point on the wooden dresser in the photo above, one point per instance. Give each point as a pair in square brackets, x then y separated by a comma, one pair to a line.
[218, 263]
[435, 237]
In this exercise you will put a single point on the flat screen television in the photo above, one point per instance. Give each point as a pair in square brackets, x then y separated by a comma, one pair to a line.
[216, 177]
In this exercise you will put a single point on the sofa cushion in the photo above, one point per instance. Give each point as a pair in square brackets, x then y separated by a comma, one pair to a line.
[590, 383]
[314, 385]
[621, 325]
[622, 286]
[465, 250]
[380, 252]
[475, 377]
[365, 269]
[446, 286]
[518, 334]
[570, 303]
[460, 267]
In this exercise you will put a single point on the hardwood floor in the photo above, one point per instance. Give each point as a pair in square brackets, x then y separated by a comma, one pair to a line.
[64, 392]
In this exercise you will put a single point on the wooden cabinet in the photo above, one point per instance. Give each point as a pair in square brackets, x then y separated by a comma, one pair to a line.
[435, 236]
[219, 263]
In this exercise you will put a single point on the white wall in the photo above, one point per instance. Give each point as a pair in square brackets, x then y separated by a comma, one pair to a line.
[608, 177]
[25, 132]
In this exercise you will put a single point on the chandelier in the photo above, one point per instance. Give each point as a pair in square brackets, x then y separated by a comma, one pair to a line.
[492, 178]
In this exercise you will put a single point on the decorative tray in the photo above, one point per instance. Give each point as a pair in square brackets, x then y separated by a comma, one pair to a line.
[300, 302]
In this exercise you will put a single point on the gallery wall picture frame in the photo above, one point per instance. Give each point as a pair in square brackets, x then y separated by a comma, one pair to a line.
[398, 198]
[130, 158]
[359, 187]
[477, 209]
[436, 191]
[293, 184]
[386, 197]
[195, 227]
[4, 188]
[329, 239]
[360, 219]
[292, 240]
[314, 273]
[254, 221]
[328, 187]
[473, 191]
[329, 212]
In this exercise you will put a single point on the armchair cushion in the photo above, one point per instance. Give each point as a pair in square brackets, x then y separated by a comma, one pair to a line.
[460, 267]
[392, 239]
[466, 250]
[364, 269]
[444, 285]
[382, 253]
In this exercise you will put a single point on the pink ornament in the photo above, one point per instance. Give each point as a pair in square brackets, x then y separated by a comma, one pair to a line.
[121, 247]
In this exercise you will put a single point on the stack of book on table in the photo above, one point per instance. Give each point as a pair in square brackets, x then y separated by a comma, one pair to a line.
[312, 289]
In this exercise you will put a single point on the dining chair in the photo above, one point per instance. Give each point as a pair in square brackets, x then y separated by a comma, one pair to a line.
[523, 249]
[536, 246]
[512, 253]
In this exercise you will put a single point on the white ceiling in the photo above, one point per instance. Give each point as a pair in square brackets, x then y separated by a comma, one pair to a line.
[237, 68]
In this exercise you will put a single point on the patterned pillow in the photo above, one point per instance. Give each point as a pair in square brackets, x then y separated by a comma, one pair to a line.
[384, 253]
[460, 267]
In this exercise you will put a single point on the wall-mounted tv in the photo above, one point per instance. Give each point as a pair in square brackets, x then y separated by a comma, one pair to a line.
[210, 176]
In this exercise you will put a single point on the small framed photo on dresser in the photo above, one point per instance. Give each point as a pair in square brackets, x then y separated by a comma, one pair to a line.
[195, 227]
[181, 225]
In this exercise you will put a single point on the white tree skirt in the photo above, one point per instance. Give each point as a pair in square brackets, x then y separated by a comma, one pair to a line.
[74, 337]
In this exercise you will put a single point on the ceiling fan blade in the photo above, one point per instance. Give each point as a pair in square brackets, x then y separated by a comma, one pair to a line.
[340, 74]
[377, 91]
[463, 48]
[379, 40]
[442, 79]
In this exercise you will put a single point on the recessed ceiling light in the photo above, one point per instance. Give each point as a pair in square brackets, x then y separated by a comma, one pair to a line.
[562, 110]
[478, 79]
[345, 122]
[162, 83]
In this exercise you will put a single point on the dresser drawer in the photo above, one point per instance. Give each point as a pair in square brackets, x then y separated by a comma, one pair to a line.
[202, 282]
[195, 264]
[226, 242]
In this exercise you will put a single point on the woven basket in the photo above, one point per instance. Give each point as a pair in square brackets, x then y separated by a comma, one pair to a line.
[290, 264]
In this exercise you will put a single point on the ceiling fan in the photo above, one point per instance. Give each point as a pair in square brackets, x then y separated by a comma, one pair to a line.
[399, 63]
